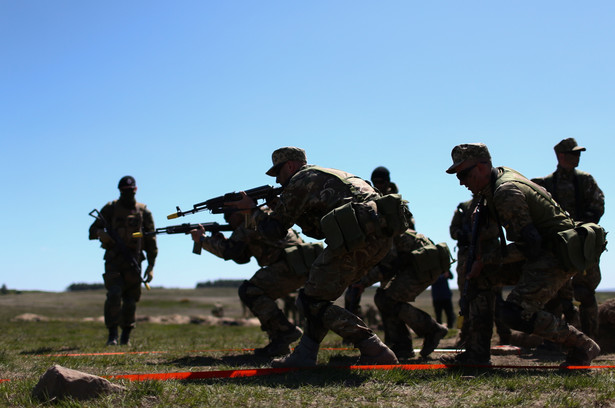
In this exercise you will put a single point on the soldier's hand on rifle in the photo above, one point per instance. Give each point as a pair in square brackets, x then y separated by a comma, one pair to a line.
[197, 233]
[477, 268]
[105, 238]
[246, 203]
[149, 273]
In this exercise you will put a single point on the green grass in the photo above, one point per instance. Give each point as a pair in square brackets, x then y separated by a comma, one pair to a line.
[27, 350]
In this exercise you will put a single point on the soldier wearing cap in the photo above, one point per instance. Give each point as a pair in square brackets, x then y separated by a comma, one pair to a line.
[531, 219]
[122, 277]
[277, 277]
[578, 193]
[311, 194]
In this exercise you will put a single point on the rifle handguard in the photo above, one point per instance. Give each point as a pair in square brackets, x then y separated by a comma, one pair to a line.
[137, 235]
[172, 216]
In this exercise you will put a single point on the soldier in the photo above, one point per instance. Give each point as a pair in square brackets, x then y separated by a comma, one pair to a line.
[578, 193]
[381, 180]
[461, 231]
[532, 220]
[412, 265]
[358, 225]
[278, 276]
[123, 259]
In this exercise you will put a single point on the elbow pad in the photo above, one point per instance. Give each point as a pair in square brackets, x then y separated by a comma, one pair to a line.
[532, 242]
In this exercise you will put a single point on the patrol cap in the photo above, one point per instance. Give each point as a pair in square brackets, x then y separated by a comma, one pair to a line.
[127, 182]
[284, 154]
[468, 151]
[568, 145]
[382, 173]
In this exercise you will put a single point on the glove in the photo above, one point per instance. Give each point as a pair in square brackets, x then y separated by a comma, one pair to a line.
[149, 273]
[105, 238]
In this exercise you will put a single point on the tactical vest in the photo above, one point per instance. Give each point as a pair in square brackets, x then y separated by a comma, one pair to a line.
[301, 257]
[547, 216]
[577, 246]
[126, 221]
[429, 261]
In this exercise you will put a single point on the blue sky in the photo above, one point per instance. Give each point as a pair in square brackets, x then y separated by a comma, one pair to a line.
[192, 97]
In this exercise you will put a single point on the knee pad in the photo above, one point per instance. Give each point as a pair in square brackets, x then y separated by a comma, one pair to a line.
[510, 313]
[310, 306]
[248, 292]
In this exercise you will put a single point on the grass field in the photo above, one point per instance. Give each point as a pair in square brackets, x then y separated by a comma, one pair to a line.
[73, 336]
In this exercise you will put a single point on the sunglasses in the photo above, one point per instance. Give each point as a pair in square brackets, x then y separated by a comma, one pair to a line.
[462, 174]
[576, 153]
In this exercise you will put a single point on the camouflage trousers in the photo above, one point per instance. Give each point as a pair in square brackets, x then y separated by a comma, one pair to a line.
[123, 284]
[397, 313]
[535, 283]
[261, 291]
[584, 285]
[329, 276]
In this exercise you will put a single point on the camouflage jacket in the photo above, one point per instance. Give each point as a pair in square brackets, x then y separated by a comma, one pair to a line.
[310, 194]
[514, 205]
[246, 242]
[577, 192]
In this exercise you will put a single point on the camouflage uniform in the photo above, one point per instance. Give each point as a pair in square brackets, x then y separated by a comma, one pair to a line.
[461, 231]
[381, 180]
[274, 280]
[122, 279]
[311, 193]
[401, 284]
[578, 193]
[531, 220]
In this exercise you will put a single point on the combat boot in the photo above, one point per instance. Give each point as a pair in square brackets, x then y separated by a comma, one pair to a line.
[304, 355]
[583, 348]
[375, 352]
[125, 338]
[280, 344]
[112, 339]
[432, 339]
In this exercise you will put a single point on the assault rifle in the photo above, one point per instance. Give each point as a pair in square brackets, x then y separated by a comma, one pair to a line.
[216, 205]
[464, 303]
[185, 229]
[119, 244]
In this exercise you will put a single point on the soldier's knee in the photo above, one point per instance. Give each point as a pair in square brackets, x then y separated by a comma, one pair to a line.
[248, 292]
[511, 314]
[310, 306]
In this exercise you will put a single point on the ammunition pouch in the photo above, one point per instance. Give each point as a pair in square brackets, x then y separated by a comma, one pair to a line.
[396, 214]
[301, 257]
[430, 261]
[580, 247]
[343, 232]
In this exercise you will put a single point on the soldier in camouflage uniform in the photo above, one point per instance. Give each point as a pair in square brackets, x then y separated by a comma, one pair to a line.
[381, 180]
[401, 283]
[461, 231]
[309, 194]
[532, 220]
[274, 280]
[122, 277]
[578, 193]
